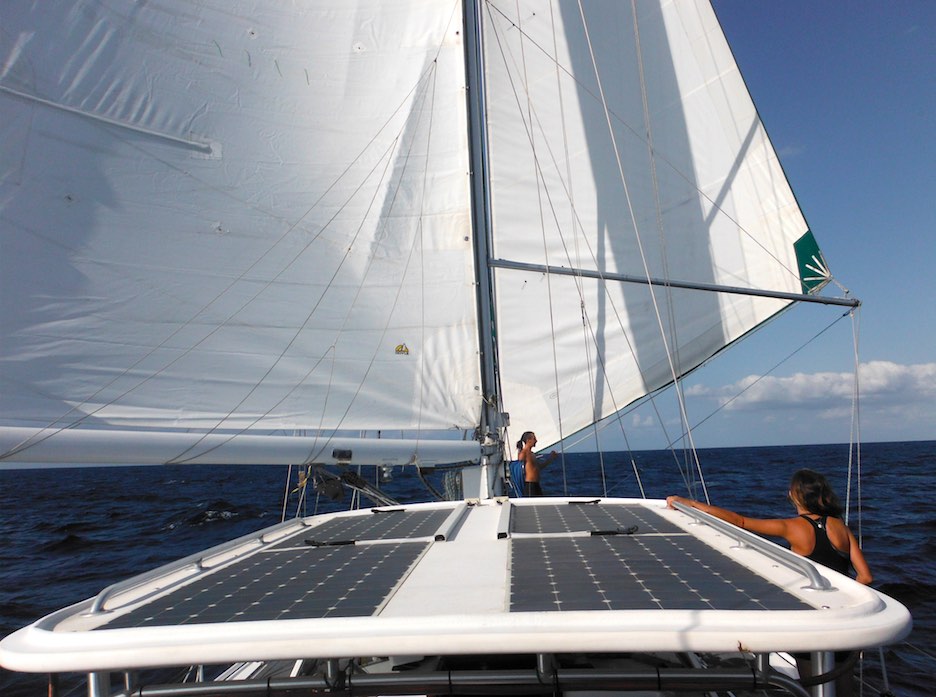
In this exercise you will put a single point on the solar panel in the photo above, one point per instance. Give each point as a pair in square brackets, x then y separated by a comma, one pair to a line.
[350, 565]
[381, 524]
[634, 572]
[292, 583]
[587, 517]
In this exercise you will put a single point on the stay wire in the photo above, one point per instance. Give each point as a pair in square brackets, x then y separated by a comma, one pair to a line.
[630, 207]
[854, 445]
[664, 256]
[538, 163]
[549, 290]
[764, 375]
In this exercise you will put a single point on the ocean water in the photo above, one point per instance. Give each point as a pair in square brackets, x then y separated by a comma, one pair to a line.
[67, 533]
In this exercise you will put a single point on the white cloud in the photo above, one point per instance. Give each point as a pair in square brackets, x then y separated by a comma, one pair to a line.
[788, 152]
[638, 421]
[898, 402]
[882, 383]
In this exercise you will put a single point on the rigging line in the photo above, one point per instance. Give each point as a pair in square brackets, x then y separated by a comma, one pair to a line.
[768, 372]
[549, 289]
[286, 492]
[422, 256]
[316, 450]
[537, 161]
[552, 208]
[599, 275]
[298, 332]
[387, 162]
[591, 391]
[37, 438]
[633, 218]
[856, 424]
[659, 156]
[619, 419]
[396, 299]
[576, 230]
[580, 273]
[661, 234]
[177, 460]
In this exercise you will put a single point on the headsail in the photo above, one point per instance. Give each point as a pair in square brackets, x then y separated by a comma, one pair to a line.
[625, 144]
[219, 215]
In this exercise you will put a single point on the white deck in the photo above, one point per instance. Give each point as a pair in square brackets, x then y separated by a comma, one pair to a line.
[456, 598]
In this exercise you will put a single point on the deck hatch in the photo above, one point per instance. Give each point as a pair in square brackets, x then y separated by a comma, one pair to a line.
[300, 582]
[635, 572]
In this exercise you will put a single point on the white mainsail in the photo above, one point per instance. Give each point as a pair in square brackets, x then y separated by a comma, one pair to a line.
[258, 223]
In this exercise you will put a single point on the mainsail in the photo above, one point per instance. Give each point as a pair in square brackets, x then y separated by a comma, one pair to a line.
[264, 223]
[230, 217]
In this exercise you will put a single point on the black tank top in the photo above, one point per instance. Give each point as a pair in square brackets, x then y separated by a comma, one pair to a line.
[824, 552]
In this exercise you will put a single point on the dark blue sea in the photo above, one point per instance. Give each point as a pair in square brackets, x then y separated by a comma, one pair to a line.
[67, 533]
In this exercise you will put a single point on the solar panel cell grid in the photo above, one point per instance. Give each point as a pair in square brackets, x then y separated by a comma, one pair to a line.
[665, 569]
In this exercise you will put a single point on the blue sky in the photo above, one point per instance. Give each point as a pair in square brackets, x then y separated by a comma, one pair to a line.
[847, 92]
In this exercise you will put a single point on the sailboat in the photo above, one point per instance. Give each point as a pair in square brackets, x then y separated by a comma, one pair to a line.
[240, 232]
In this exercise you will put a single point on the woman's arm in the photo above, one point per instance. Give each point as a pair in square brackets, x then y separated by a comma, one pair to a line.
[856, 556]
[776, 527]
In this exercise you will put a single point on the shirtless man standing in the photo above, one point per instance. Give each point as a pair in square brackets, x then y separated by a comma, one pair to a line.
[531, 466]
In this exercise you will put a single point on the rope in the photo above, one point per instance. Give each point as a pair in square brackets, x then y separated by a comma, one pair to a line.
[416, 238]
[286, 492]
[549, 292]
[856, 425]
[572, 258]
[643, 258]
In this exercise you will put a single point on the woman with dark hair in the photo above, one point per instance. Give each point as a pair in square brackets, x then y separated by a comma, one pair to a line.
[817, 533]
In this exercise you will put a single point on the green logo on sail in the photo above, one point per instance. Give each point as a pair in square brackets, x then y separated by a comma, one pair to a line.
[813, 270]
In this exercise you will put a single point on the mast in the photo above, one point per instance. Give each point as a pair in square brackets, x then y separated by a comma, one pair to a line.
[492, 419]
